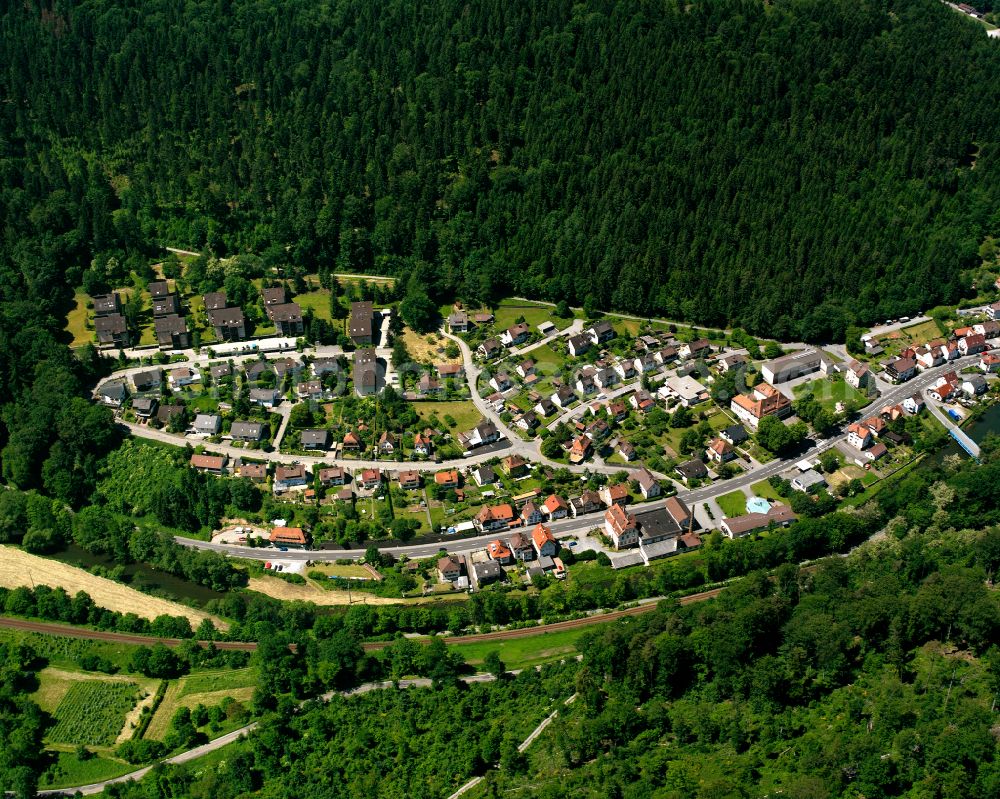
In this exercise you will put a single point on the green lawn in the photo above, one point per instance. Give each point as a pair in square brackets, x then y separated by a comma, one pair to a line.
[733, 504]
[223, 680]
[534, 314]
[764, 489]
[520, 653]
[829, 392]
[69, 771]
[317, 301]
[76, 321]
[340, 570]
[465, 414]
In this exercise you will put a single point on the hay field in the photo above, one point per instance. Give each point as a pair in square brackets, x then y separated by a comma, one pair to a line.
[19, 568]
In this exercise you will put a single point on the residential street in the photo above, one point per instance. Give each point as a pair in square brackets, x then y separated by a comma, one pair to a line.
[567, 528]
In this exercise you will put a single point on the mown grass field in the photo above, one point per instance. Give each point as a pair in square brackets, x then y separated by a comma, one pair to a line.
[19, 568]
[465, 414]
[317, 301]
[522, 653]
[764, 489]
[733, 504]
[76, 321]
[534, 314]
[207, 689]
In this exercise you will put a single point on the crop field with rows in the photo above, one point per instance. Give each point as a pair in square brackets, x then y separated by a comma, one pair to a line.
[93, 712]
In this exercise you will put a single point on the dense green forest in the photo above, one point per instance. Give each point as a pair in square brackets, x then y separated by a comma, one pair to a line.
[787, 166]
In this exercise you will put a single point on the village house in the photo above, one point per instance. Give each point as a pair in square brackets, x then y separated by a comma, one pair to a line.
[577, 345]
[171, 332]
[625, 369]
[450, 568]
[112, 330]
[409, 480]
[901, 369]
[289, 537]
[215, 300]
[642, 401]
[646, 363]
[989, 363]
[501, 381]
[315, 438]
[113, 394]
[514, 465]
[734, 434]
[859, 436]
[361, 324]
[694, 469]
[808, 482]
[450, 478]
[107, 304]
[144, 407]
[585, 380]
[795, 365]
[972, 344]
[730, 362]
[213, 464]
[521, 547]
[166, 413]
[246, 431]
[913, 404]
[255, 472]
[598, 430]
[483, 433]
[600, 332]
[428, 384]
[183, 376]
[500, 552]
[699, 348]
[517, 334]
[387, 442]
[545, 407]
[525, 368]
[778, 515]
[484, 475]
[626, 449]
[458, 322]
[265, 397]
[720, 451]
[587, 502]
[489, 349]
[288, 477]
[220, 371]
[527, 420]
[765, 400]
[857, 375]
[530, 513]
[927, 357]
[147, 381]
[207, 424]
[352, 442]
[555, 507]
[580, 449]
[620, 526]
[332, 476]
[665, 355]
[615, 494]
[649, 486]
[365, 372]
[422, 444]
[166, 305]
[449, 370]
[158, 289]
[371, 479]
[974, 385]
[495, 517]
[311, 390]
[544, 542]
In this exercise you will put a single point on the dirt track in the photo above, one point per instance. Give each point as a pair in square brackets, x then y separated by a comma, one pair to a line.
[48, 628]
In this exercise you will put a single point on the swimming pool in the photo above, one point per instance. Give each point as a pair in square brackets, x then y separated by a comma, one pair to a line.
[758, 505]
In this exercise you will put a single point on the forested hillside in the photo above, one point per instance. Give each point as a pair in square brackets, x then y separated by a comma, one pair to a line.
[786, 166]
